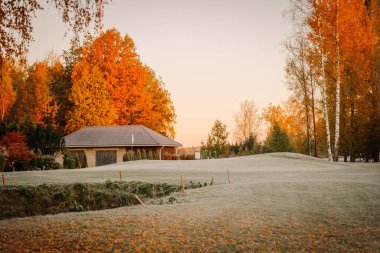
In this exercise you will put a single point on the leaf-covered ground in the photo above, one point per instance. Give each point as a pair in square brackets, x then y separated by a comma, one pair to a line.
[290, 205]
[178, 230]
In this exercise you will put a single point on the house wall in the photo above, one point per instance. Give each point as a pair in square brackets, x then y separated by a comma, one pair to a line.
[120, 151]
[91, 154]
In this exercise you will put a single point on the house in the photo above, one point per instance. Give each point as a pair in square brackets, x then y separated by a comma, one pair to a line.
[107, 144]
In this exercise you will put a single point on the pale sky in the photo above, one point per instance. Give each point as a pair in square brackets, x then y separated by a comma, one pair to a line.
[211, 54]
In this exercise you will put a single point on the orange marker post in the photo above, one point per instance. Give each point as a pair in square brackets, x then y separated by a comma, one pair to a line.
[228, 175]
[183, 185]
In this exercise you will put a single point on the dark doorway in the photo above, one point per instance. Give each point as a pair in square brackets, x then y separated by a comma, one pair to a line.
[105, 157]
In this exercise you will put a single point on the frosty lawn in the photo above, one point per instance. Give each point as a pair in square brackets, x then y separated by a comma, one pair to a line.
[274, 202]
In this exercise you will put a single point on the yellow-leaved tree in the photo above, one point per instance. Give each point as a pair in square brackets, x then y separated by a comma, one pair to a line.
[92, 102]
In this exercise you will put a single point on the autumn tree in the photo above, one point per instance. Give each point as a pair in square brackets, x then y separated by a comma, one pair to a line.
[373, 139]
[16, 26]
[247, 121]
[300, 74]
[19, 154]
[162, 113]
[341, 32]
[136, 94]
[217, 139]
[7, 93]
[289, 117]
[44, 106]
[341, 43]
[118, 62]
[92, 103]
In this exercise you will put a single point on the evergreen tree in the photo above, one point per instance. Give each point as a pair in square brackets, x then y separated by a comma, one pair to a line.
[143, 154]
[138, 155]
[150, 155]
[277, 140]
[77, 164]
[84, 163]
[157, 155]
[249, 143]
[126, 157]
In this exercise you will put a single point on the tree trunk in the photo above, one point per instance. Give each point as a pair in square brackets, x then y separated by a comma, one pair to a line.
[327, 125]
[305, 99]
[337, 100]
[307, 126]
[352, 126]
[314, 125]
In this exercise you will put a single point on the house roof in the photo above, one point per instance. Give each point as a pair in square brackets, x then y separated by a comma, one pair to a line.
[117, 136]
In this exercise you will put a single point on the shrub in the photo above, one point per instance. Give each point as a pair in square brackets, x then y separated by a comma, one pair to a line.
[68, 161]
[132, 155]
[157, 155]
[77, 164]
[150, 155]
[45, 162]
[143, 154]
[84, 165]
[126, 157]
[138, 155]
[169, 156]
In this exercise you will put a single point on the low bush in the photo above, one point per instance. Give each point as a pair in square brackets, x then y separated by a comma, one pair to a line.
[187, 157]
[21, 201]
[44, 163]
[169, 156]
[138, 154]
[143, 155]
[77, 164]
[157, 155]
[68, 161]
[126, 157]
[84, 163]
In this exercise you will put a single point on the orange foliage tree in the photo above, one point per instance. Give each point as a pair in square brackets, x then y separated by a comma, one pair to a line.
[92, 103]
[136, 94]
[44, 106]
[343, 35]
[123, 72]
[289, 117]
[7, 94]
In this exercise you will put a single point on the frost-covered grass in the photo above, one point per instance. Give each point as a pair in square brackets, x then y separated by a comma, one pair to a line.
[275, 202]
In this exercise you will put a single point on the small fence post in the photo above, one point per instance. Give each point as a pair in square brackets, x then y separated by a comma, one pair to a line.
[120, 175]
[3, 179]
[228, 175]
[183, 185]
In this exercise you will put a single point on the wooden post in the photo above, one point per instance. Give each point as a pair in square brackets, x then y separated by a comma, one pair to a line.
[120, 175]
[228, 175]
[139, 200]
[183, 185]
[3, 178]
